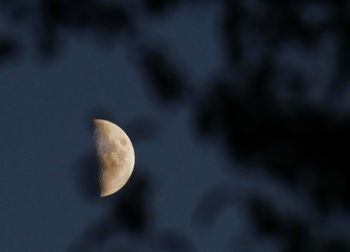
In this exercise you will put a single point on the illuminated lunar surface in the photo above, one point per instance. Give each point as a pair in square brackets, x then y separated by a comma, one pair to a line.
[115, 155]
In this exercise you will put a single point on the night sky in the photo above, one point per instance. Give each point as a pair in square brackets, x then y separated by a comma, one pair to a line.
[226, 138]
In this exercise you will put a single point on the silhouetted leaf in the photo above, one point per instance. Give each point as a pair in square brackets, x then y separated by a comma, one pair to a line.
[158, 6]
[337, 246]
[131, 210]
[166, 81]
[8, 47]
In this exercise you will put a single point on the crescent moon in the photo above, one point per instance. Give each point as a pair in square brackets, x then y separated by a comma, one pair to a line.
[115, 154]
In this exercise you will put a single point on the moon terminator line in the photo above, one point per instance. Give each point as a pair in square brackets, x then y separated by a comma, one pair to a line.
[115, 155]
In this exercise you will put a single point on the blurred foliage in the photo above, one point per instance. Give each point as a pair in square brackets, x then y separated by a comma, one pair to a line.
[262, 107]
[8, 48]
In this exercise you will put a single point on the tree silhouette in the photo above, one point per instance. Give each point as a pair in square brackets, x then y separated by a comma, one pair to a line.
[278, 103]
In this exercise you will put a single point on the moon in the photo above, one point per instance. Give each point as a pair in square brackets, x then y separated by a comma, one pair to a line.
[115, 154]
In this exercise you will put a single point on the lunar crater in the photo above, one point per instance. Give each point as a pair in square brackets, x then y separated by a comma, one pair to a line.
[115, 154]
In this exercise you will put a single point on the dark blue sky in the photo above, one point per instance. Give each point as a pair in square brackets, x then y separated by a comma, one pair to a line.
[46, 106]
